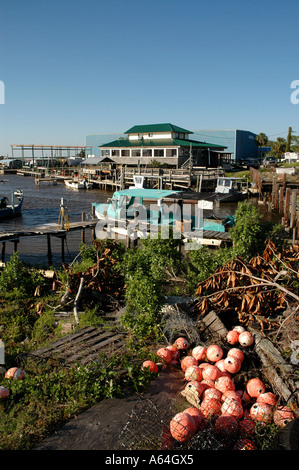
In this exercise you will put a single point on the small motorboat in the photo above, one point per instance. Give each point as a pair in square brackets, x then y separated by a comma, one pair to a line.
[231, 189]
[9, 209]
[78, 184]
[75, 184]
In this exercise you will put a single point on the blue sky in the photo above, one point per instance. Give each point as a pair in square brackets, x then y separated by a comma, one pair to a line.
[73, 68]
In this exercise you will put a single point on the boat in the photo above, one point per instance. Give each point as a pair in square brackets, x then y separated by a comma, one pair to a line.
[231, 189]
[78, 184]
[9, 209]
[154, 208]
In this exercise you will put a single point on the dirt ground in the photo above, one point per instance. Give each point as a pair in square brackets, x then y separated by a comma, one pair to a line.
[99, 428]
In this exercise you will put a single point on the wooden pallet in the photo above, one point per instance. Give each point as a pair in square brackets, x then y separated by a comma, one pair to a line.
[82, 347]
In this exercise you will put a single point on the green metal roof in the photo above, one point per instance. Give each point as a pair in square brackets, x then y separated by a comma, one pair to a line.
[120, 143]
[156, 128]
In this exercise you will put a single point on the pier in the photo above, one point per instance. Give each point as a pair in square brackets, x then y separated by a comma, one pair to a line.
[59, 231]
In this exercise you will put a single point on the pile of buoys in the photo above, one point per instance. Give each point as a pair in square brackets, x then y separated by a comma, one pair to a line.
[211, 390]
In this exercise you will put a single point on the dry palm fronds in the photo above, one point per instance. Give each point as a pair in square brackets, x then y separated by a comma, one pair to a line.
[257, 290]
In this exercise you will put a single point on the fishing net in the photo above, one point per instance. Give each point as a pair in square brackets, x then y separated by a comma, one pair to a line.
[148, 428]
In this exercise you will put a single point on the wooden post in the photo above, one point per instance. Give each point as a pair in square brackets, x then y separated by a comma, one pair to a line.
[49, 248]
[287, 206]
[93, 232]
[293, 208]
[83, 230]
[3, 252]
[62, 248]
[281, 192]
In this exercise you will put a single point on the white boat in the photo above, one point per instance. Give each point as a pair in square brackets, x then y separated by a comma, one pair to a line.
[75, 184]
[231, 189]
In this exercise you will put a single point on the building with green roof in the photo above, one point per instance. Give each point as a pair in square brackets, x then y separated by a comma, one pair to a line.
[163, 143]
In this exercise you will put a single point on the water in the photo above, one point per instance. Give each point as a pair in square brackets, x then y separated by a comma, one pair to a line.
[41, 206]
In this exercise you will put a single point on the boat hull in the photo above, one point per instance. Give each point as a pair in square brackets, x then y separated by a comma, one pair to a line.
[11, 211]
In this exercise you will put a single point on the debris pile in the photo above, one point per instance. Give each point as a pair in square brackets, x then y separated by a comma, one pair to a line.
[258, 290]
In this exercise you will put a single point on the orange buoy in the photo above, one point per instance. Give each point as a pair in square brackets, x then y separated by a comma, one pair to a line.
[182, 427]
[231, 407]
[174, 351]
[239, 328]
[193, 373]
[246, 427]
[282, 415]
[195, 389]
[231, 394]
[267, 397]
[246, 338]
[237, 353]
[211, 393]
[181, 343]
[255, 387]
[262, 412]
[224, 384]
[188, 361]
[15, 373]
[214, 353]
[232, 364]
[164, 354]
[196, 415]
[199, 352]
[211, 372]
[210, 408]
[232, 337]
[208, 383]
[226, 426]
[220, 365]
[151, 365]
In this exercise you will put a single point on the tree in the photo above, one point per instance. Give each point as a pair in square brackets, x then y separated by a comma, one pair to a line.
[279, 147]
[261, 140]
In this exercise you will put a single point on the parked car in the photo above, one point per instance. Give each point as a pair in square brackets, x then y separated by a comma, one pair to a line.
[270, 161]
[249, 162]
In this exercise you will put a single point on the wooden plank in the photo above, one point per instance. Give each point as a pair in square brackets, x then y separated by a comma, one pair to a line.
[74, 347]
[62, 341]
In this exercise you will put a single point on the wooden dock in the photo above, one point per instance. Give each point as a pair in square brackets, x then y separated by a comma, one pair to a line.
[49, 231]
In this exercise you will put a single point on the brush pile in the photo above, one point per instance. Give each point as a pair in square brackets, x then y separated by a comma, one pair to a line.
[255, 291]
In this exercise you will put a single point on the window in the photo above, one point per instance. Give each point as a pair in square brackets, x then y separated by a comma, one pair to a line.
[140, 136]
[171, 152]
[150, 134]
[147, 152]
[115, 153]
[136, 153]
[159, 152]
[125, 153]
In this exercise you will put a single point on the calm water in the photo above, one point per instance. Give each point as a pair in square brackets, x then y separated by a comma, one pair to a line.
[42, 206]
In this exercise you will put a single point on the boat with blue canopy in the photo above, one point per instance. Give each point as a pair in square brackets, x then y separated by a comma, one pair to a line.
[159, 207]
